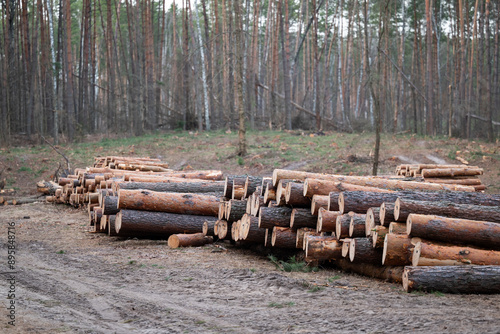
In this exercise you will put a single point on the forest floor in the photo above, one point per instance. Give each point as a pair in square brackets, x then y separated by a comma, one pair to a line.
[70, 280]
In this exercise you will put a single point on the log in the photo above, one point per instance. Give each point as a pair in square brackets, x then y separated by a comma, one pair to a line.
[345, 247]
[160, 179]
[361, 251]
[426, 253]
[224, 230]
[361, 201]
[318, 202]
[357, 226]
[47, 187]
[307, 235]
[228, 184]
[270, 193]
[208, 228]
[342, 225]
[482, 234]
[257, 203]
[327, 220]
[451, 172]
[215, 175]
[235, 209]
[111, 226]
[294, 195]
[403, 208]
[252, 231]
[266, 181]
[110, 205]
[397, 228]
[372, 220]
[378, 236]
[465, 182]
[221, 214]
[323, 248]
[190, 204]
[456, 197]
[268, 238]
[398, 250]
[324, 187]
[386, 273]
[184, 187]
[22, 200]
[275, 216]
[281, 192]
[333, 204]
[299, 241]
[238, 189]
[283, 237]
[387, 213]
[159, 224]
[189, 240]
[378, 182]
[302, 218]
[453, 279]
[251, 184]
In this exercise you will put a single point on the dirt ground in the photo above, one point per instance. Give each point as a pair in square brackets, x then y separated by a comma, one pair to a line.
[70, 280]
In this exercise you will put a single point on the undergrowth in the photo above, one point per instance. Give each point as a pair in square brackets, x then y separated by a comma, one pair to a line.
[292, 265]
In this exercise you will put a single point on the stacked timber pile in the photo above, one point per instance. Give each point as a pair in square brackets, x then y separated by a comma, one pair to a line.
[386, 227]
[445, 174]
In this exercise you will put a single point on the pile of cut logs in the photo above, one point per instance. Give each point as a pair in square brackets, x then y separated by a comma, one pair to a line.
[427, 235]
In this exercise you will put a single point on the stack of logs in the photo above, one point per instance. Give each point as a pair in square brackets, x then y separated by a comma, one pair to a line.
[448, 174]
[429, 236]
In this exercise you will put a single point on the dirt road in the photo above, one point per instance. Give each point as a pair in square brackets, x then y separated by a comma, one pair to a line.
[69, 280]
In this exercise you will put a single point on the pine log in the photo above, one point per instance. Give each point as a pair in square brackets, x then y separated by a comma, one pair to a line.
[185, 187]
[257, 203]
[208, 228]
[318, 202]
[333, 204]
[152, 178]
[215, 175]
[111, 226]
[191, 204]
[238, 189]
[398, 250]
[345, 247]
[323, 248]
[294, 195]
[252, 231]
[307, 235]
[189, 240]
[221, 214]
[465, 182]
[22, 200]
[357, 226]
[302, 218]
[372, 220]
[268, 238]
[397, 228]
[235, 209]
[281, 192]
[275, 216]
[327, 220]
[378, 236]
[378, 182]
[228, 184]
[235, 230]
[482, 234]
[324, 187]
[361, 251]
[342, 225]
[265, 182]
[361, 201]
[110, 205]
[251, 184]
[160, 224]
[224, 230]
[403, 207]
[453, 279]
[299, 241]
[386, 213]
[283, 237]
[216, 228]
[426, 253]
[451, 172]
[456, 197]
[386, 273]
[269, 193]
[47, 187]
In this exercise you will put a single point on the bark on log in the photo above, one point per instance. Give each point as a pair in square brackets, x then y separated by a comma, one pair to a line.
[189, 240]
[327, 220]
[357, 226]
[22, 200]
[281, 192]
[223, 230]
[378, 236]
[270, 193]
[482, 234]
[294, 195]
[324, 187]
[265, 182]
[342, 225]
[235, 209]
[386, 213]
[378, 182]
[302, 218]
[403, 207]
[228, 184]
[215, 175]
[453, 279]
[251, 184]
[386, 273]
[252, 231]
[47, 187]
[397, 228]
[307, 235]
[361, 251]
[451, 172]
[465, 182]
[208, 228]
[333, 204]
[299, 241]
[111, 226]
[161, 224]
[345, 247]
[318, 202]
[283, 237]
[238, 189]
[372, 220]
[323, 248]
[190, 204]
[110, 205]
[275, 216]
[398, 250]
[361, 201]
[426, 253]
[184, 187]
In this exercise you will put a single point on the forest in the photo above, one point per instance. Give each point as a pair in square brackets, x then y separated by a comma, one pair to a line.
[70, 68]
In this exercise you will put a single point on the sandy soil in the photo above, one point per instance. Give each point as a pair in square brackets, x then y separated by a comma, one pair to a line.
[70, 280]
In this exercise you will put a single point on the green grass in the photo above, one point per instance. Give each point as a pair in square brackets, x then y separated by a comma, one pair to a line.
[333, 278]
[315, 289]
[61, 252]
[281, 305]
[292, 265]
[25, 169]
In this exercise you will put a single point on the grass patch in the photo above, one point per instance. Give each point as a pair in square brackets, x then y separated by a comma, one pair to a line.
[315, 289]
[25, 169]
[189, 279]
[132, 262]
[61, 252]
[292, 265]
[333, 278]
[280, 305]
